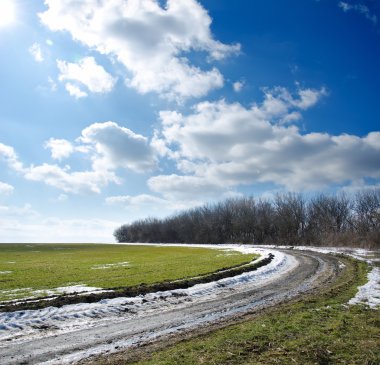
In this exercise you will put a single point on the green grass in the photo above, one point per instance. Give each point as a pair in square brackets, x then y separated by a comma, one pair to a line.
[47, 266]
[320, 330]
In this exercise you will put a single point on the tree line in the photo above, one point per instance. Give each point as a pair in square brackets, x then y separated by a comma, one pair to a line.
[285, 219]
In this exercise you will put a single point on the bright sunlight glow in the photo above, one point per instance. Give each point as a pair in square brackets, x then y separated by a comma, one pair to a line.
[7, 12]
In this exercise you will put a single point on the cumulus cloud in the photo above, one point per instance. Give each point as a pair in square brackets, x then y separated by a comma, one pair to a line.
[119, 147]
[5, 188]
[8, 154]
[150, 40]
[60, 177]
[71, 182]
[109, 147]
[87, 73]
[60, 148]
[238, 86]
[360, 8]
[36, 51]
[75, 91]
[225, 145]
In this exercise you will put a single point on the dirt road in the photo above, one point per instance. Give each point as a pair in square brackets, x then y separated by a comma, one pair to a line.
[133, 323]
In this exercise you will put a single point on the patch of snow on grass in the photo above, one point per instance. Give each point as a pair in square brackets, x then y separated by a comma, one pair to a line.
[29, 293]
[5, 272]
[109, 266]
[72, 289]
[369, 293]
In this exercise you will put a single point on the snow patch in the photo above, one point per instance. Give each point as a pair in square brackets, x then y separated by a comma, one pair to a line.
[29, 293]
[369, 293]
[5, 272]
[109, 266]
[71, 289]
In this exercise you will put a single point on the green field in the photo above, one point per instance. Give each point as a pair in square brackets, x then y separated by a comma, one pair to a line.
[27, 268]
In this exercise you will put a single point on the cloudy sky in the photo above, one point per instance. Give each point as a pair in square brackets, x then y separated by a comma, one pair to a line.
[115, 110]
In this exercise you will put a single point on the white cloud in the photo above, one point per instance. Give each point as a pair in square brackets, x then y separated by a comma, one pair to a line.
[75, 91]
[307, 98]
[61, 177]
[138, 200]
[360, 8]
[88, 73]
[344, 6]
[238, 86]
[151, 41]
[25, 211]
[71, 182]
[292, 117]
[8, 154]
[36, 52]
[359, 185]
[62, 197]
[147, 203]
[221, 146]
[52, 83]
[109, 147]
[60, 148]
[6, 188]
[175, 187]
[119, 147]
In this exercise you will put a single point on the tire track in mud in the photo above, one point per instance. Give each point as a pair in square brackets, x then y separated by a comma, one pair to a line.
[309, 271]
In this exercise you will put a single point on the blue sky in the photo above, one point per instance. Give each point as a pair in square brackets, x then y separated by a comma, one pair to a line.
[116, 111]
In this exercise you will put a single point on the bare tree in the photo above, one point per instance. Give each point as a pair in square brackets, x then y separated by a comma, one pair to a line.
[287, 219]
[290, 218]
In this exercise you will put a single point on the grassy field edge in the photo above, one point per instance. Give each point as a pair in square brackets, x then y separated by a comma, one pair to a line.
[141, 289]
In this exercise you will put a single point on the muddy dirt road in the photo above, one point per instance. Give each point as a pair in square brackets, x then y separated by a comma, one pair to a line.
[67, 335]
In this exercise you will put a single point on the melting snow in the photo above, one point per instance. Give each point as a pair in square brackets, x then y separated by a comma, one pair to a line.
[109, 266]
[369, 293]
[29, 293]
[71, 289]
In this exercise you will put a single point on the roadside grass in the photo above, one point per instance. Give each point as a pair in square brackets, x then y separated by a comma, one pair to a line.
[320, 329]
[26, 268]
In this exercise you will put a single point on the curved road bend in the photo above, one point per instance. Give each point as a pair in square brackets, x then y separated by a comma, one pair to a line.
[311, 271]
